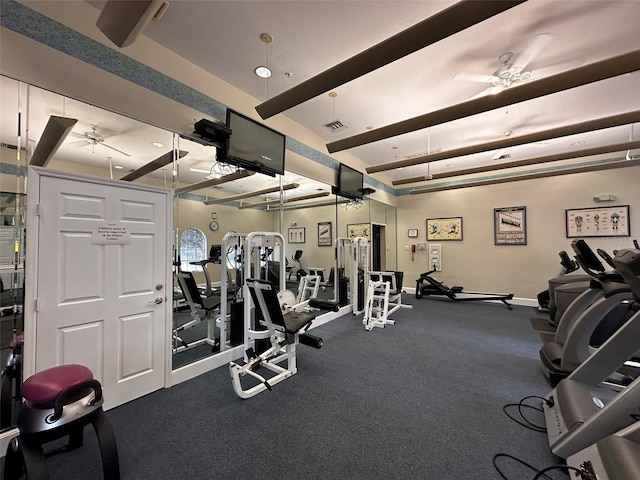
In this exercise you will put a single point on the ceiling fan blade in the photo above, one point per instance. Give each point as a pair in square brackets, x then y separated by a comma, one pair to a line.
[554, 69]
[487, 91]
[500, 153]
[531, 51]
[153, 165]
[611, 67]
[122, 21]
[476, 77]
[54, 133]
[113, 148]
[454, 19]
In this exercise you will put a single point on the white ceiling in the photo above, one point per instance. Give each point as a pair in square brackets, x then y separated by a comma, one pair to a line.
[223, 37]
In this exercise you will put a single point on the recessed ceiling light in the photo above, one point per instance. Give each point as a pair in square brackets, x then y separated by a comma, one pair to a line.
[118, 167]
[157, 144]
[262, 72]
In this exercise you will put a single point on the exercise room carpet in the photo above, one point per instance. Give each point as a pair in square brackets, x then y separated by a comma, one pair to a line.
[421, 399]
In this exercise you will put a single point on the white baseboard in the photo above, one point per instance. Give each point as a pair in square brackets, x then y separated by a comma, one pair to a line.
[520, 301]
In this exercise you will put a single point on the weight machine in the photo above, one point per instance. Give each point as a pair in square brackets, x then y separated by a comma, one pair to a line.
[339, 278]
[272, 328]
[231, 293]
[384, 297]
[360, 269]
[196, 300]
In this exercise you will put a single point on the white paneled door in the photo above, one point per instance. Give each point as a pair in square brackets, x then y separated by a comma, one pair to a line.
[101, 289]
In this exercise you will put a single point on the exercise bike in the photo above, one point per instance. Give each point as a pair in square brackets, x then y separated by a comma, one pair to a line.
[427, 285]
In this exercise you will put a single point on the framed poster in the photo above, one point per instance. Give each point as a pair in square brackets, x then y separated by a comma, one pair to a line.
[598, 222]
[358, 230]
[413, 233]
[296, 235]
[444, 228]
[324, 234]
[510, 226]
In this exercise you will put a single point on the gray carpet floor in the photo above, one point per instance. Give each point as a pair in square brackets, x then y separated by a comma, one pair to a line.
[421, 399]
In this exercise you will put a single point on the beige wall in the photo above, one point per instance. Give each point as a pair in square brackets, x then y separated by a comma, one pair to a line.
[474, 263]
[477, 264]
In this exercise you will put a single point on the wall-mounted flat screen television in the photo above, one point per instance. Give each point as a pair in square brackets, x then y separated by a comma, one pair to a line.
[254, 146]
[350, 182]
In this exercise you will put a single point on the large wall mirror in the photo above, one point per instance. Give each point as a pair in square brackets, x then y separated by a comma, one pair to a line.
[214, 205]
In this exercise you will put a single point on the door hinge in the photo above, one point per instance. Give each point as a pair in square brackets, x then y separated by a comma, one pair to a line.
[35, 305]
[37, 209]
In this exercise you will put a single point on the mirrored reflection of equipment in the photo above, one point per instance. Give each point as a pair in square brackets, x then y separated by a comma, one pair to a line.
[197, 301]
[297, 257]
[384, 297]
[427, 285]
[340, 280]
[203, 303]
[214, 258]
[231, 295]
[360, 269]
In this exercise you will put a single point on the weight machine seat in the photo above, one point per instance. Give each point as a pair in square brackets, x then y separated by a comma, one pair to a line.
[190, 289]
[292, 322]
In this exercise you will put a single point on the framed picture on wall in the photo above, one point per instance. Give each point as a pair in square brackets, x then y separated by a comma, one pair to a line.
[296, 235]
[598, 222]
[510, 226]
[412, 233]
[358, 230]
[324, 234]
[449, 228]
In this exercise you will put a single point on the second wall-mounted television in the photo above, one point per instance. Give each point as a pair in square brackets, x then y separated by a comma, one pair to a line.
[254, 146]
[350, 182]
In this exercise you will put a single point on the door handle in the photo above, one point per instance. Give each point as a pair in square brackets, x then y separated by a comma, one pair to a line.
[157, 301]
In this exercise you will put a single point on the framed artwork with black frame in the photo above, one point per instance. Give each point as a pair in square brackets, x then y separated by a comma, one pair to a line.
[449, 228]
[510, 226]
[324, 234]
[412, 233]
[296, 235]
[598, 222]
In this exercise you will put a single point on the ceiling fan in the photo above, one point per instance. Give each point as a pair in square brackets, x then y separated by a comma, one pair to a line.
[451, 20]
[94, 138]
[514, 69]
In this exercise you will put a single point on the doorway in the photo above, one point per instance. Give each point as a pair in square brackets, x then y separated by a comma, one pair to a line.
[99, 280]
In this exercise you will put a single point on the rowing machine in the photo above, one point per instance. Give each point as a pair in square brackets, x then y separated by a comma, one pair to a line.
[427, 285]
